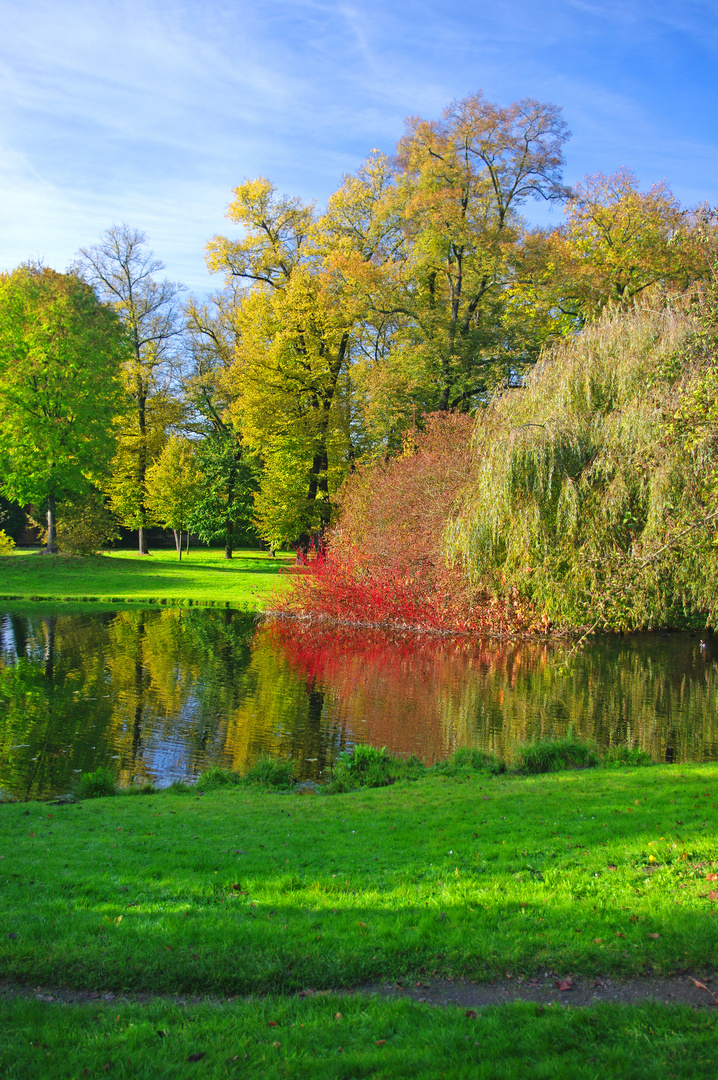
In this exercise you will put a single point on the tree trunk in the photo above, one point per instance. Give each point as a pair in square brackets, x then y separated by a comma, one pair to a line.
[142, 540]
[51, 546]
[186, 550]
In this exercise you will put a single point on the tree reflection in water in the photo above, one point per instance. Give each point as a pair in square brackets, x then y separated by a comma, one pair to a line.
[159, 694]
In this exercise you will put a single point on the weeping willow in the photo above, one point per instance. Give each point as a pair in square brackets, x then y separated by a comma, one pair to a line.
[589, 499]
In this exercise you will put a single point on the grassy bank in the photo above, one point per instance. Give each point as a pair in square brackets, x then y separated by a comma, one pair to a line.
[250, 580]
[239, 891]
[246, 891]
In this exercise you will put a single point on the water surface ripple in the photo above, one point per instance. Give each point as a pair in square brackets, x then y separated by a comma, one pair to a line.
[158, 695]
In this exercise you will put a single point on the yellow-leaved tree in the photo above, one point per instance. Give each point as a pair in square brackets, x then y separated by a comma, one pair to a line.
[288, 382]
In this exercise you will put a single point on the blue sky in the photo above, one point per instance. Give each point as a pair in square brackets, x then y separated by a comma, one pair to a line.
[151, 112]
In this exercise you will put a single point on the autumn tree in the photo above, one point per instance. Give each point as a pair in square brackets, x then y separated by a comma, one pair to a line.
[124, 274]
[225, 508]
[430, 248]
[616, 242]
[291, 352]
[61, 350]
[462, 327]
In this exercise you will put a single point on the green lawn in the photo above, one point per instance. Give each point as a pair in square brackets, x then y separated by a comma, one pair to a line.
[600, 871]
[251, 579]
[244, 891]
[345, 1038]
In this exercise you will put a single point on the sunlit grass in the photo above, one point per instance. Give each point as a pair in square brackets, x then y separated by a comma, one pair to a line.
[244, 891]
[250, 579]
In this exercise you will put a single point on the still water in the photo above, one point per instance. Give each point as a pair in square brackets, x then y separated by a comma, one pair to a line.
[159, 695]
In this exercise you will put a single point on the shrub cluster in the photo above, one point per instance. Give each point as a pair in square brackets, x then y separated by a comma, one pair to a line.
[6, 543]
[368, 766]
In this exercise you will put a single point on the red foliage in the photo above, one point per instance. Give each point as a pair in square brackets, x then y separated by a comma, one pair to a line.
[343, 589]
[393, 689]
[384, 565]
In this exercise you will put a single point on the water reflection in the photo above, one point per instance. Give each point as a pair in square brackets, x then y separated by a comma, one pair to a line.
[429, 695]
[158, 695]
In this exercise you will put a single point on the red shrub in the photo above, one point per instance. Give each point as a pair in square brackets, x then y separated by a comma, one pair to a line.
[384, 563]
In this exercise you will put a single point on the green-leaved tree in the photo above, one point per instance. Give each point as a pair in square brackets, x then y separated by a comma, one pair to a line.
[61, 350]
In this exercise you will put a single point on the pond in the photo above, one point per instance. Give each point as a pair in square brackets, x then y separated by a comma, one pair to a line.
[160, 694]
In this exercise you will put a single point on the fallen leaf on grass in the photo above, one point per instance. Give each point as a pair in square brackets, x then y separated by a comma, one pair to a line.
[198, 1056]
[597, 940]
[471, 1014]
[380, 1042]
[272, 1023]
[564, 984]
[711, 877]
[654, 936]
[619, 934]
[713, 895]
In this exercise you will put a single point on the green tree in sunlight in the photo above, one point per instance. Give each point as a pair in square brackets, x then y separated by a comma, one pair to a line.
[60, 356]
[174, 485]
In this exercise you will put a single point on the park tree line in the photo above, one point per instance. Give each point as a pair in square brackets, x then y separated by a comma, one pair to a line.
[418, 291]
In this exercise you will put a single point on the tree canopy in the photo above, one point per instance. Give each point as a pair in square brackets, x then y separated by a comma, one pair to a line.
[61, 351]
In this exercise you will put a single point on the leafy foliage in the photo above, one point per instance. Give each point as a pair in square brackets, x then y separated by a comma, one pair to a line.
[385, 564]
[86, 526]
[617, 242]
[60, 353]
[585, 499]
[97, 784]
[6, 543]
[173, 486]
[224, 507]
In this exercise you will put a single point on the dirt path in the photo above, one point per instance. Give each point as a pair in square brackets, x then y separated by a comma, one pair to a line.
[697, 991]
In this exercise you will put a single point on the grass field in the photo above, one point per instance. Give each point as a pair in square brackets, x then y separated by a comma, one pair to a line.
[345, 1038]
[239, 891]
[249, 580]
